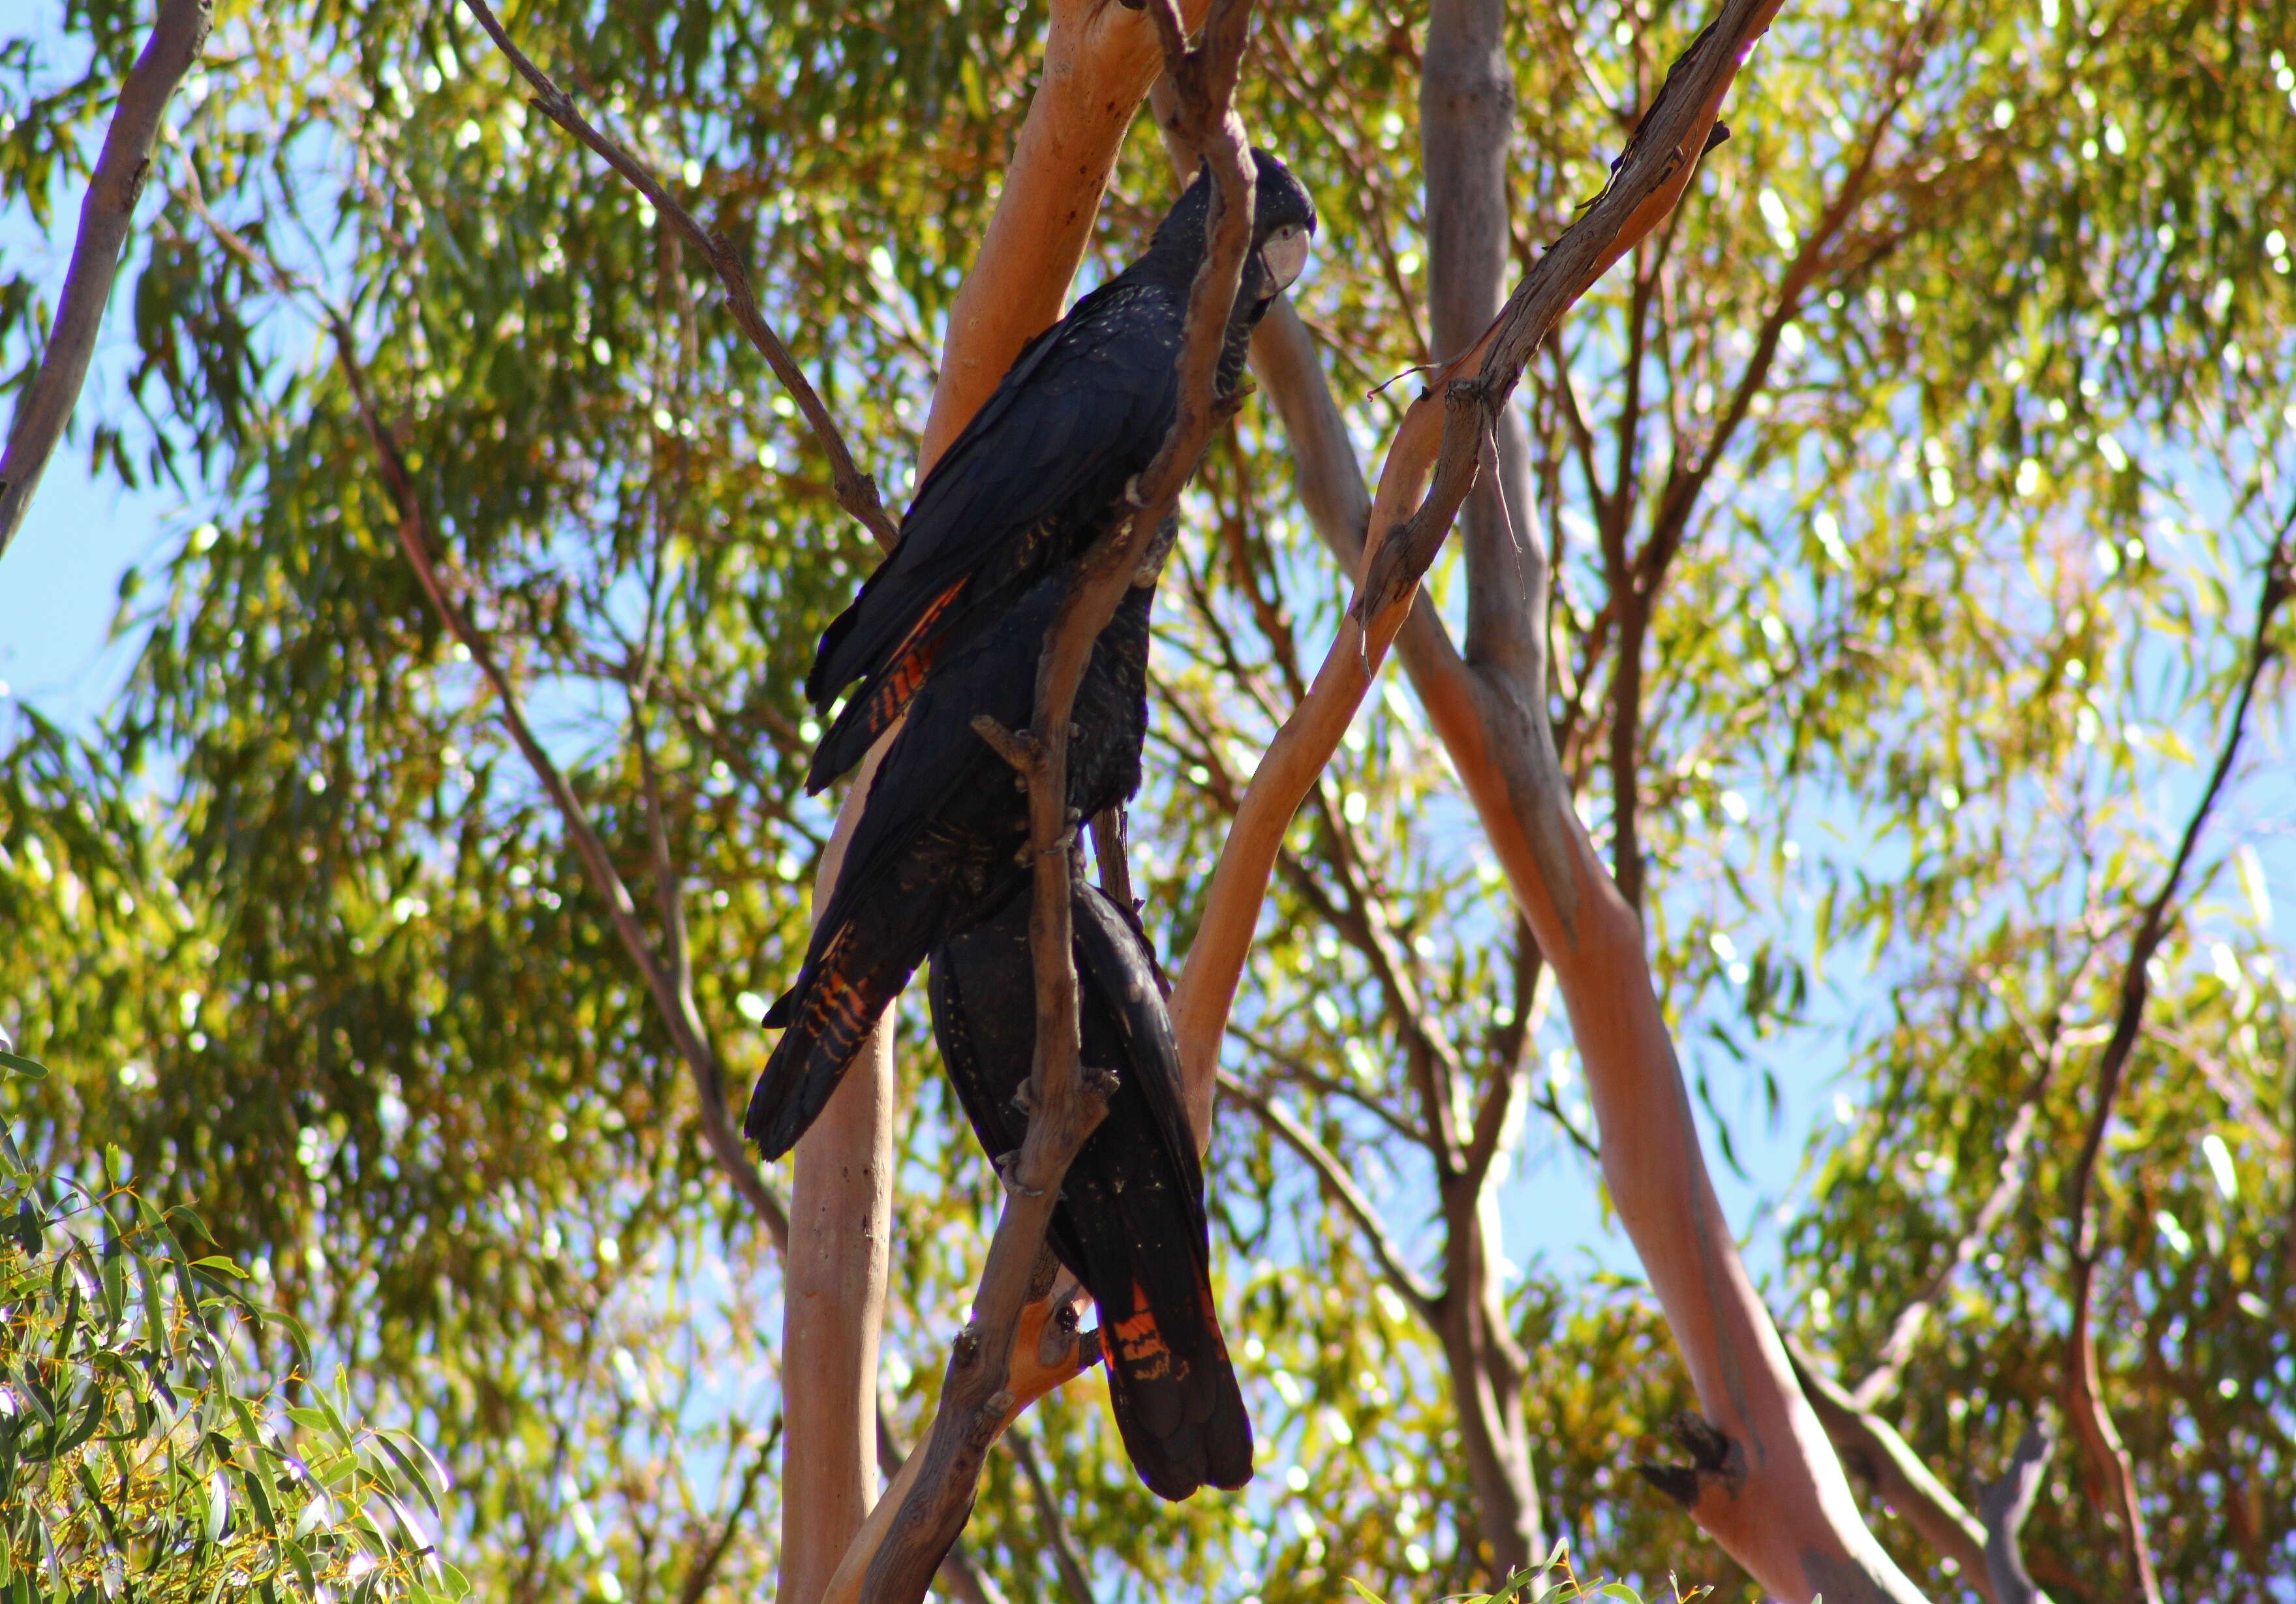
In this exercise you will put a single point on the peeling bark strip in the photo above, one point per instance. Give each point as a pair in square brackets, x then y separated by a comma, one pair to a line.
[104, 216]
[977, 1401]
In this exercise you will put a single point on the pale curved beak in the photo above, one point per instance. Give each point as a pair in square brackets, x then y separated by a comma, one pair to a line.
[1285, 254]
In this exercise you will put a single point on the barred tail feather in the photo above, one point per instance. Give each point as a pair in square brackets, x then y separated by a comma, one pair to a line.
[829, 1014]
[868, 716]
[887, 691]
[1175, 1400]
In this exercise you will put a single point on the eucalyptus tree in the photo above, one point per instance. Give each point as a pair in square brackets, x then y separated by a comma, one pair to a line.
[1908, 501]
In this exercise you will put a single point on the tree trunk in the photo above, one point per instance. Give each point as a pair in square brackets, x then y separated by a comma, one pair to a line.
[833, 1293]
[1466, 119]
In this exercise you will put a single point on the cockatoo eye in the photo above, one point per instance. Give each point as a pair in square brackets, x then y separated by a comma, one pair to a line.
[1286, 253]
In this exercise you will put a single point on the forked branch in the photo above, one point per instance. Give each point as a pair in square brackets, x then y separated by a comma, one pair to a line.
[1443, 436]
[976, 1400]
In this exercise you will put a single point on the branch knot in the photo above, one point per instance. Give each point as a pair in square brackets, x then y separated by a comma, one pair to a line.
[1715, 1459]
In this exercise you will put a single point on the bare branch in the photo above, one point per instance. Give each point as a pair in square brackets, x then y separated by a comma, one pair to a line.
[1776, 1499]
[1449, 418]
[1880, 1383]
[1065, 1108]
[1547, 1103]
[856, 492]
[1872, 1449]
[673, 1003]
[1047, 1351]
[104, 217]
[704, 1568]
[1329, 1085]
[1645, 182]
[959, 1576]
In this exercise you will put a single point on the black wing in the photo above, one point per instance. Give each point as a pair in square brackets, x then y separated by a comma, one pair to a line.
[1082, 410]
[935, 839]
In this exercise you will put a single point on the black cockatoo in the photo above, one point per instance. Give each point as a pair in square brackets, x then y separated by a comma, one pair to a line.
[942, 839]
[1039, 473]
[1130, 1222]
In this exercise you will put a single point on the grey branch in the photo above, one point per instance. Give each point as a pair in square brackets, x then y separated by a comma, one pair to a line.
[1872, 1449]
[856, 492]
[104, 216]
[2003, 1506]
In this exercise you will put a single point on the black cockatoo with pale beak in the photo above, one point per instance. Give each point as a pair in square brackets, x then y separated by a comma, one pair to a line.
[1040, 473]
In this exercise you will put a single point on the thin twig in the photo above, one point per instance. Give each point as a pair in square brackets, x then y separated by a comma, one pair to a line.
[704, 1568]
[2092, 1418]
[1048, 1518]
[1549, 1104]
[1330, 1085]
[673, 999]
[856, 492]
[1334, 1176]
[113, 188]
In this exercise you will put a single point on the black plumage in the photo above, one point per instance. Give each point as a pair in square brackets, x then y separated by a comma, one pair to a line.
[1040, 472]
[1130, 1220]
[942, 839]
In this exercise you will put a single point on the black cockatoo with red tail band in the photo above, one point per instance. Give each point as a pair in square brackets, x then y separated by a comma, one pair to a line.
[1130, 1222]
[942, 839]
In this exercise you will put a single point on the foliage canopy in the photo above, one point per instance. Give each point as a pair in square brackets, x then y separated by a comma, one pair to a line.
[1940, 437]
